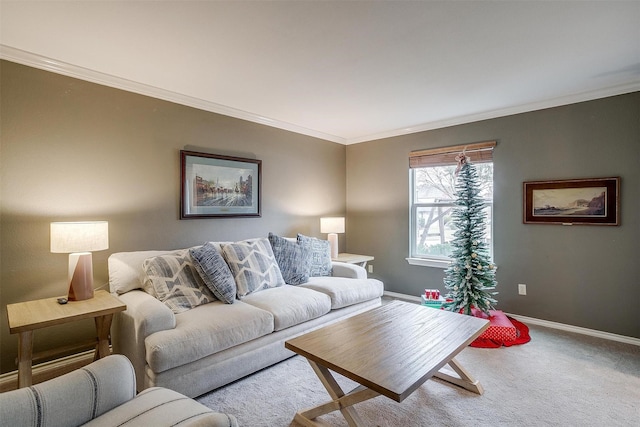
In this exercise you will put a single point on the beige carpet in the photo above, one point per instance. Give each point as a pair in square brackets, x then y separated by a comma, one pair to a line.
[557, 379]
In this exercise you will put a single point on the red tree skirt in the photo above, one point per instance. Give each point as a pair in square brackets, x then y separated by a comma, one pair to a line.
[522, 337]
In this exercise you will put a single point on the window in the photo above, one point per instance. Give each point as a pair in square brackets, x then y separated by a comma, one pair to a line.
[432, 182]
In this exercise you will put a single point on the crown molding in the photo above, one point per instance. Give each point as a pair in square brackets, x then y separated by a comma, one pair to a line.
[38, 61]
[492, 114]
[41, 62]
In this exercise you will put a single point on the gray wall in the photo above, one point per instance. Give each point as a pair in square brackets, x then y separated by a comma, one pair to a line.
[587, 276]
[73, 150]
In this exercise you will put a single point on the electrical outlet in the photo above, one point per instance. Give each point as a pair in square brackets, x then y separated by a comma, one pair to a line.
[522, 289]
[370, 268]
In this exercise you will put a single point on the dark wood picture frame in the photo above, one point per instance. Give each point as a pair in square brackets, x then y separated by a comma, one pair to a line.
[594, 201]
[215, 186]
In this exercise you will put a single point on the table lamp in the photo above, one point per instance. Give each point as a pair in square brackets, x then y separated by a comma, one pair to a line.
[79, 239]
[332, 225]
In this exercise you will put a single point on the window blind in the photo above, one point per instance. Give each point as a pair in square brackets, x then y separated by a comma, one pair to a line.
[478, 152]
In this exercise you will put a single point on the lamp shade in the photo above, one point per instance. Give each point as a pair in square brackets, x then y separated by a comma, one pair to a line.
[332, 225]
[71, 237]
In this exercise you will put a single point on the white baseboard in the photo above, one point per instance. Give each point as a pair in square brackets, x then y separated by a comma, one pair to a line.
[47, 370]
[51, 369]
[402, 296]
[545, 323]
[576, 329]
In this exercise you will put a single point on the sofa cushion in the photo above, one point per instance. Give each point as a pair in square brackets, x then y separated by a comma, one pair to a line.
[344, 292]
[214, 272]
[176, 282]
[206, 330]
[294, 259]
[290, 305]
[253, 265]
[320, 255]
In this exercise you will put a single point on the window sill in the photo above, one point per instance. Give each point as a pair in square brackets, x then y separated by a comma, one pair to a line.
[437, 263]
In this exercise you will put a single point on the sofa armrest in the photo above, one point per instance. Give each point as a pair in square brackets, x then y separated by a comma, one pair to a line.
[145, 315]
[71, 399]
[351, 271]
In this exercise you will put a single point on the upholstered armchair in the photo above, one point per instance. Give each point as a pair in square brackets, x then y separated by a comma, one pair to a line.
[103, 393]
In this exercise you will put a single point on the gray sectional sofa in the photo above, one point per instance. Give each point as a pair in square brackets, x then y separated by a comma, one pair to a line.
[197, 342]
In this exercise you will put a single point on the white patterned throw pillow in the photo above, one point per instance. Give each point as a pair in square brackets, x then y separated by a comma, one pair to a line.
[253, 265]
[176, 281]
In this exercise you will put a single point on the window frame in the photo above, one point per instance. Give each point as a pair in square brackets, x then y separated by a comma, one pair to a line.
[420, 160]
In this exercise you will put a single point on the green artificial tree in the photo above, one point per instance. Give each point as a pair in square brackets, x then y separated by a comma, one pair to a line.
[470, 279]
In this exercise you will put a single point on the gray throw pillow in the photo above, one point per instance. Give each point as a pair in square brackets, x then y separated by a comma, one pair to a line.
[253, 266]
[294, 259]
[214, 272]
[176, 282]
[320, 255]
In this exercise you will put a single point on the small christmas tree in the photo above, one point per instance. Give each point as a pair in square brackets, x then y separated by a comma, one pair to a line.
[470, 279]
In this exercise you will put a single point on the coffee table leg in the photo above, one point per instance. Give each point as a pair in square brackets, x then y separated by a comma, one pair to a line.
[341, 401]
[464, 378]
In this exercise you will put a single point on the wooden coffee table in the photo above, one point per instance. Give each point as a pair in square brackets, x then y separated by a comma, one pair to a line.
[390, 350]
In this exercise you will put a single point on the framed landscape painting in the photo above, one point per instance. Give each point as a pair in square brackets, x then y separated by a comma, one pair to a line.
[219, 186]
[576, 201]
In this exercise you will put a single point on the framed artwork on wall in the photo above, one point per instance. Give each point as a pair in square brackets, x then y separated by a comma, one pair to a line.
[593, 201]
[219, 186]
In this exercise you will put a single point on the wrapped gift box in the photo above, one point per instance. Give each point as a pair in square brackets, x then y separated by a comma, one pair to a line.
[500, 327]
[433, 303]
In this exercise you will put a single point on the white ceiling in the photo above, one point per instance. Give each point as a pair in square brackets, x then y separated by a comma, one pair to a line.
[344, 71]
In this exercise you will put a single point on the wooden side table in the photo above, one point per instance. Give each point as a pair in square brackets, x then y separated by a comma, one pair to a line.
[360, 260]
[26, 317]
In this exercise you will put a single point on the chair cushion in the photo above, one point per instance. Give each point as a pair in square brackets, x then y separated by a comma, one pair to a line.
[320, 255]
[158, 406]
[290, 305]
[206, 330]
[344, 292]
[176, 282]
[294, 259]
[215, 272]
[253, 265]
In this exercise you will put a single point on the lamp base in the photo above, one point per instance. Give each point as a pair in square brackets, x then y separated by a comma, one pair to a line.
[333, 242]
[80, 276]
